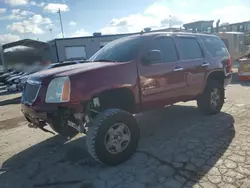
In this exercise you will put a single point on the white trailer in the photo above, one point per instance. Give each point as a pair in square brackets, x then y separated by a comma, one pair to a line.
[235, 43]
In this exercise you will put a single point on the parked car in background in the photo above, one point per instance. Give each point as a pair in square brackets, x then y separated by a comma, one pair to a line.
[128, 76]
[17, 82]
[3, 72]
[12, 78]
[235, 43]
[7, 74]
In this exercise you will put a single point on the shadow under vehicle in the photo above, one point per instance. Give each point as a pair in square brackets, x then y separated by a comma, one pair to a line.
[169, 147]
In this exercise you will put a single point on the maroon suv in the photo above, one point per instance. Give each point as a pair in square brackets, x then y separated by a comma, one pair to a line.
[127, 76]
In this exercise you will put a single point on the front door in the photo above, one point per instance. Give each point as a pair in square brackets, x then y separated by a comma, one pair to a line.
[162, 82]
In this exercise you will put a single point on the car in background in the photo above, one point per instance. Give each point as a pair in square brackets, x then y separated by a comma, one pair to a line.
[17, 83]
[5, 75]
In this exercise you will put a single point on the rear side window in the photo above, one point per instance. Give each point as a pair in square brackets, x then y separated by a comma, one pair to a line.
[215, 46]
[189, 48]
[167, 47]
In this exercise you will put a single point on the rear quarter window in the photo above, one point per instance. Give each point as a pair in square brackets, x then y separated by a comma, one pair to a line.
[215, 46]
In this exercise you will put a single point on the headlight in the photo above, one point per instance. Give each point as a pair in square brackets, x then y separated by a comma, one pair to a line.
[58, 90]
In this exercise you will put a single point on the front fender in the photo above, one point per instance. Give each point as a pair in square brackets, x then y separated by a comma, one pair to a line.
[87, 85]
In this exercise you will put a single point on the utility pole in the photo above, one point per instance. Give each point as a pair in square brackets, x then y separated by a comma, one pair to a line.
[60, 17]
[170, 24]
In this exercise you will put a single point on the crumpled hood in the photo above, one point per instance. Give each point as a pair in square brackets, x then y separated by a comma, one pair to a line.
[69, 70]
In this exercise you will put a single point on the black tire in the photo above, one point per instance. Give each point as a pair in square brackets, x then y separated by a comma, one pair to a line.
[204, 101]
[96, 135]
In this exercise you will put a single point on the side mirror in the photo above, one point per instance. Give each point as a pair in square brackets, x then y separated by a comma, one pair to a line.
[152, 56]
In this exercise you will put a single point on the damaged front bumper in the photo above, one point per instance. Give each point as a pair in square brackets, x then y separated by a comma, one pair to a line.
[40, 118]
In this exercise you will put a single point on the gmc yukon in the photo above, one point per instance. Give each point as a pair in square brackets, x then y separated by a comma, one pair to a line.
[125, 77]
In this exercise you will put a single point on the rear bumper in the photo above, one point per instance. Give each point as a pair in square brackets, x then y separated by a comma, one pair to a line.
[228, 79]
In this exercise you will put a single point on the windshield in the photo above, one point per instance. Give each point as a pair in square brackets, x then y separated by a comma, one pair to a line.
[121, 50]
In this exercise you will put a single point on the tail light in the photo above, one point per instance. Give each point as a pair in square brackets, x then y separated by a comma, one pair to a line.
[230, 64]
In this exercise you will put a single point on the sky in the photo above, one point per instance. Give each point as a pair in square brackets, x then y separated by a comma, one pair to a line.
[39, 19]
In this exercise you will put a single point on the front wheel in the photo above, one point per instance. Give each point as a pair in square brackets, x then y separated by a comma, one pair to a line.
[113, 137]
[212, 99]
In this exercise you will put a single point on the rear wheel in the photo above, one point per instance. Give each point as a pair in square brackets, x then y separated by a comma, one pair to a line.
[212, 99]
[113, 136]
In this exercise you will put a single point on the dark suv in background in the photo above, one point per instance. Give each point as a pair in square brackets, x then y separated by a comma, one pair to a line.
[127, 76]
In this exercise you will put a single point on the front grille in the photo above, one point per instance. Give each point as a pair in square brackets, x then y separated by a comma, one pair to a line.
[30, 92]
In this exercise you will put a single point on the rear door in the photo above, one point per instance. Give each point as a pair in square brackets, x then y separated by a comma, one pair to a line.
[194, 62]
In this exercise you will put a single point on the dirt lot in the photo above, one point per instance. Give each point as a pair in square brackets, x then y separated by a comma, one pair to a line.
[179, 147]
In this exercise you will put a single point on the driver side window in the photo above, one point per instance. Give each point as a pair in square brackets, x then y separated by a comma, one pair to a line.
[167, 47]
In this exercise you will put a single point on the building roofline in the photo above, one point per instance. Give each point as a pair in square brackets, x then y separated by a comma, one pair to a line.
[200, 21]
[27, 43]
[235, 23]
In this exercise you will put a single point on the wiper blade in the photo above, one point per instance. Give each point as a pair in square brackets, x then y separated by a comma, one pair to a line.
[104, 60]
[84, 61]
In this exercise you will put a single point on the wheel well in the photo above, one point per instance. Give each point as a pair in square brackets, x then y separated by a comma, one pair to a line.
[217, 75]
[122, 98]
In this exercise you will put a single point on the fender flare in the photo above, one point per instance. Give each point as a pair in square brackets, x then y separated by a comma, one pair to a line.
[220, 71]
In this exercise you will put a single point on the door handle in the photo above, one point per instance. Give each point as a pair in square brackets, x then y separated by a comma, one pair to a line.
[205, 64]
[178, 69]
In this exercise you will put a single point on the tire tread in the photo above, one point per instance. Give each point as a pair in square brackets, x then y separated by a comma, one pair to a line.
[94, 128]
[202, 101]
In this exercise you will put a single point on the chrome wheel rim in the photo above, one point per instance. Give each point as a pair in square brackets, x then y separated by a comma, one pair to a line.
[117, 138]
[215, 98]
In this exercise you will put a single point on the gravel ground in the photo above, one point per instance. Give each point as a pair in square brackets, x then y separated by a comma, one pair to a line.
[179, 147]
